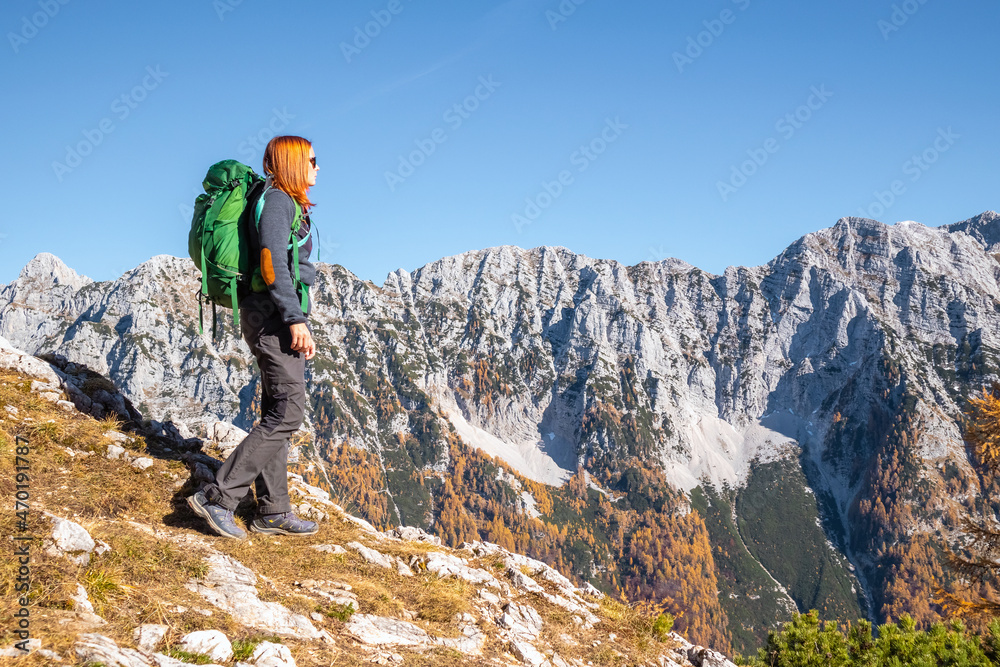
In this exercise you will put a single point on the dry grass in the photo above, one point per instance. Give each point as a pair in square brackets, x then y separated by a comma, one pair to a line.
[142, 578]
[381, 592]
[439, 600]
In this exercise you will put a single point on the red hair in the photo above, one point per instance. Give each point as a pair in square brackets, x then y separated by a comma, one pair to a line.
[286, 159]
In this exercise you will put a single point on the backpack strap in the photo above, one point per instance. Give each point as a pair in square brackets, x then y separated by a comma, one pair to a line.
[318, 244]
[201, 318]
[214, 207]
[248, 181]
[301, 287]
[236, 305]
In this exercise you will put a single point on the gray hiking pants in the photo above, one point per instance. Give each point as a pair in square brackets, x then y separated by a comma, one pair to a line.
[262, 458]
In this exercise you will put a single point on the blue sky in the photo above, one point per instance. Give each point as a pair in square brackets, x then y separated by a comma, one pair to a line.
[717, 132]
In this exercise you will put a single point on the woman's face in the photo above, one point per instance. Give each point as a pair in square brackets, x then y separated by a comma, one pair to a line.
[312, 169]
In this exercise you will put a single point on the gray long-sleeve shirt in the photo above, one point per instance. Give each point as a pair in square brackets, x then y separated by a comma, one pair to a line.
[270, 245]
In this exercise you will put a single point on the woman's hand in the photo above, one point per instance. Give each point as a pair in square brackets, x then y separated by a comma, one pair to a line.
[302, 340]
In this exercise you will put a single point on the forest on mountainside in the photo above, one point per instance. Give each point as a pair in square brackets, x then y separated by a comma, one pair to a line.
[661, 556]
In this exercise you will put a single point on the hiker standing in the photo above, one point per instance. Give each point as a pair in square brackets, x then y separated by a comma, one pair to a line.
[273, 322]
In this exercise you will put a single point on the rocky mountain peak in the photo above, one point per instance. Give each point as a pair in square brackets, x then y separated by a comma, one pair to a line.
[47, 270]
[984, 227]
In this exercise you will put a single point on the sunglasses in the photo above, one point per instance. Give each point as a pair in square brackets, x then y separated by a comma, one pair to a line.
[312, 161]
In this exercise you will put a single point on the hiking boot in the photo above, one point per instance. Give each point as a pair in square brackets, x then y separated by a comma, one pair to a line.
[218, 517]
[285, 523]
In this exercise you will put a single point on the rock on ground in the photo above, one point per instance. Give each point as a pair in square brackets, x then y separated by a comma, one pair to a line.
[528, 654]
[98, 648]
[226, 436]
[329, 548]
[268, 654]
[71, 540]
[522, 620]
[149, 636]
[413, 534]
[382, 560]
[230, 586]
[212, 643]
[381, 631]
[706, 657]
[80, 600]
[446, 565]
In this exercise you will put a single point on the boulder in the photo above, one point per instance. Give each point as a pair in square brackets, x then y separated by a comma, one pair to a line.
[116, 437]
[471, 642]
[33, 645]
[360, 523]
[706, 657]
[26, 364]
[336, 592]
[80, 600]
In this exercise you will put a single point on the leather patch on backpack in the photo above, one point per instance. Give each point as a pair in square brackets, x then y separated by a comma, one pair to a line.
[266, 267]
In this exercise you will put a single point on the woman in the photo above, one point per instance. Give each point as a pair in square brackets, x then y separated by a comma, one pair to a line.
[273, 321]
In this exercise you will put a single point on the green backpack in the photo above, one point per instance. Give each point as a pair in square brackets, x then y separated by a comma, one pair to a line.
[219, 241]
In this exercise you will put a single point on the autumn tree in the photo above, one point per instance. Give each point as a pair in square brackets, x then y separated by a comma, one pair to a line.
[978, 560]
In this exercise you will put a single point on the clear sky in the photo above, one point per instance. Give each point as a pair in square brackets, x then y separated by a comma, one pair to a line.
[714, 131]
